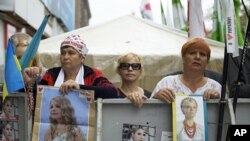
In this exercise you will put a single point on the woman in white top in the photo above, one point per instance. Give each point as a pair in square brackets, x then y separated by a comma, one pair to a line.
[195, 56]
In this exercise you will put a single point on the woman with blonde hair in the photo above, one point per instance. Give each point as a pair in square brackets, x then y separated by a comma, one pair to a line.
[7, 108]
[130, 68]
[20, 43]
[63, 122]
[138, 134]
[7, 132]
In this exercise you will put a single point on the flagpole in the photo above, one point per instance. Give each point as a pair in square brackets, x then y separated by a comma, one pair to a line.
[242, 62]
[222, 101]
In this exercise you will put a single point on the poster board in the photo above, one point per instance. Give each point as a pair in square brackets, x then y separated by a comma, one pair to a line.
[14, 117]
[189, 118]
[117, 112]
[70, 116]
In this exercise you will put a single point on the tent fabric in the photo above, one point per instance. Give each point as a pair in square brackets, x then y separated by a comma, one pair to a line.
[158, 45]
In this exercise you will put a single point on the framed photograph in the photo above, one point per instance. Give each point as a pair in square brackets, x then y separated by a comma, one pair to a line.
[14, 117]
[9, 109]
[189, 118]
[134, 132]
[64, 117]
[9, 131]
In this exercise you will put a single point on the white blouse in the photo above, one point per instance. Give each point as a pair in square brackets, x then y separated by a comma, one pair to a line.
[173, 82]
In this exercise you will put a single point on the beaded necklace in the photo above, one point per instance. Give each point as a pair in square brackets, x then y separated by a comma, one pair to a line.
[190, 130]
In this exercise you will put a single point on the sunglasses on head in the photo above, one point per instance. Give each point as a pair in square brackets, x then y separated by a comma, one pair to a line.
[125, 66]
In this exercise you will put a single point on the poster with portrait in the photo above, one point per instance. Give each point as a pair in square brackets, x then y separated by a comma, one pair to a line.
[64, 117]
[137, 132]
[189, 118]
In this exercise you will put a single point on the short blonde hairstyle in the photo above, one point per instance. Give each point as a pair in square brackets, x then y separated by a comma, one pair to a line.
[127, 57]
[194, 44]
[20, 39]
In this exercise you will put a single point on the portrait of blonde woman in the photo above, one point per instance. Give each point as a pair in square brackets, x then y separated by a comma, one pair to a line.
[7, 134]
[138, 134]
[7, 109]
[189, 129]
[63, 124]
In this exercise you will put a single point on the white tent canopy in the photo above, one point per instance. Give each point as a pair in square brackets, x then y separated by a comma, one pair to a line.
[158, 45]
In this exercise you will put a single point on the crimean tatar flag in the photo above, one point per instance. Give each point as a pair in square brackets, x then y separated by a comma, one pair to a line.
[12, 72]
[196, 27]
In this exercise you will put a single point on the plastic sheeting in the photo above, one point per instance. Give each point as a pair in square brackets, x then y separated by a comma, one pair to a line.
[158, 45]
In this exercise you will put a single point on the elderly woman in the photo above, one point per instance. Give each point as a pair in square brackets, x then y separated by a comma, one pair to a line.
[20, 43]
[130, 69]
[73, 73]
[195, 56]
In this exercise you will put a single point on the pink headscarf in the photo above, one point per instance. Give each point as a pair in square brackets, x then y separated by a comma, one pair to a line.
[77, 43]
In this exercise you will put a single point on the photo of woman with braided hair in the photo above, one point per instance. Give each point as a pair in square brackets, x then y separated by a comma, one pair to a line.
[138, 134]
[189, 126]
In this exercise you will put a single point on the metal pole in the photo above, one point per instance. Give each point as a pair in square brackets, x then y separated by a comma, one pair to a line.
[99, 120]
[223, 95]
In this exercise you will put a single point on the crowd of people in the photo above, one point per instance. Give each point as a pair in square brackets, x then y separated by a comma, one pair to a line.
[75, 74]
